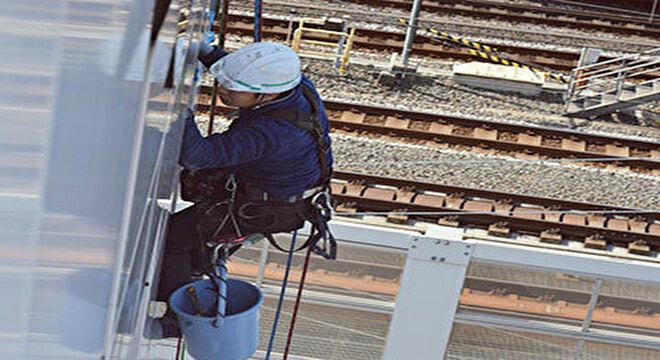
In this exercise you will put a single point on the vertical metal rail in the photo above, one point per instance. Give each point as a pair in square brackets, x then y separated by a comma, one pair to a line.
[655, 6]
[220, 34]
[586, 323]
[289, 31]
[340, 46]
[257, 20]
[411, 31]
[263, 260]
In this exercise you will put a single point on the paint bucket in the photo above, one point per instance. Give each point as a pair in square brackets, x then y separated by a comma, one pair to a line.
[234, 337]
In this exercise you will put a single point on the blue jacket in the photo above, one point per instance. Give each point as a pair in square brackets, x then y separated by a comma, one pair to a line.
[270, 154]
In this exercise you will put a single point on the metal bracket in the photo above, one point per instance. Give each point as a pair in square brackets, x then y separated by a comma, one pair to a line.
[440, 251]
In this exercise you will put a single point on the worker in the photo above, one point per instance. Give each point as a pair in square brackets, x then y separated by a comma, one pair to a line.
[274, 159]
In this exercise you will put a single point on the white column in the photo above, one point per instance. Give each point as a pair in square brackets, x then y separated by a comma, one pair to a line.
[428, 297]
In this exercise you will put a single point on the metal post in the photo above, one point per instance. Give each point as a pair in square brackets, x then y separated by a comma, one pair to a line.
[289, 31]
[340, 47]
[655, 5]
[410, 32]
[428, 297]
[620, 80]
[586, 323]
[262, 263]
[220, 34]
[257, 20]
[347, 52]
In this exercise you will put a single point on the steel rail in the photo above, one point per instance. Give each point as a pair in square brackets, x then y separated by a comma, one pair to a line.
[362, 193]
[606, 22]
[389, 19]
[423, 45]
[484, 136]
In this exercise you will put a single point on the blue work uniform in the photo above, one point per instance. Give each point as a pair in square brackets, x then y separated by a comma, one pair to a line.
[268, 153]
[263, 151]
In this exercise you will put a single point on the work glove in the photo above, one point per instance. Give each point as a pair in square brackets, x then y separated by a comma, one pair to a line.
[205, 48]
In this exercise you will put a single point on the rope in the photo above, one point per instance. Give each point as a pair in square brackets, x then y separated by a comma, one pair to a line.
[530, 212]
[178, 349]
[282, 292]
[257, 20]
[183, 351]
[297, 305]
[478, 161]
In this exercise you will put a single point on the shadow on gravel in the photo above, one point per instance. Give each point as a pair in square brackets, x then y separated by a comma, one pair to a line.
[632, 117]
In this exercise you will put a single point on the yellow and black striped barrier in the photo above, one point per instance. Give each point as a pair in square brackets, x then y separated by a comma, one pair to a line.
[461, 41]
[500, 60]
[489, 53]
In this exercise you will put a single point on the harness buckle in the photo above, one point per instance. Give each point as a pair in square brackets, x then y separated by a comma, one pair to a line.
[324, 206]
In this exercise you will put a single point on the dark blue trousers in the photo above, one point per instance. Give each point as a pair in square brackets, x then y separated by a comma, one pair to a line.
[183, 252]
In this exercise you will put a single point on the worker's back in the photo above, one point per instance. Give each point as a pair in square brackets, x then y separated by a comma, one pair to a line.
[290, 164]
[269, 153]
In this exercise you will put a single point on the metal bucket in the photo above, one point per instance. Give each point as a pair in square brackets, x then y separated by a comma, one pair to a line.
[234, 337]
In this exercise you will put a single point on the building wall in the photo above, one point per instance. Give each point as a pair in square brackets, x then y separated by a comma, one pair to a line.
[88, 145]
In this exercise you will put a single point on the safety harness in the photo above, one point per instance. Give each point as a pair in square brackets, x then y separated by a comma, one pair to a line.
[260, 212]
[322, 209]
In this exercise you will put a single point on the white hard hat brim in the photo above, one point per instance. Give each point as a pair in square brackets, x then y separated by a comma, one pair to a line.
[272, 73]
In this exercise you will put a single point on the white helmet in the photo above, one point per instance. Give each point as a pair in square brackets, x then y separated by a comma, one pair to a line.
[262, 67]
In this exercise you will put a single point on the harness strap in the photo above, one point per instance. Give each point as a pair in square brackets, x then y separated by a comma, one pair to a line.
[319, 231]
[321, 211]
[312, 124]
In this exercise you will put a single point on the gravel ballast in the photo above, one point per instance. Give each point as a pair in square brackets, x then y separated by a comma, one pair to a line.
[443, 96]
[478, 29]
[543, 179]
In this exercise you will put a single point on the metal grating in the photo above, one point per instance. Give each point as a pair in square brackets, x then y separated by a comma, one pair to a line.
[469, 342]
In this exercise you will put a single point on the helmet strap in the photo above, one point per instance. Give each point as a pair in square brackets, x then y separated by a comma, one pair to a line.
[260, 98]
[264, 98]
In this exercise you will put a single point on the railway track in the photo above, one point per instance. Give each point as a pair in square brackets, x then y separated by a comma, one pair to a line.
[462, 133]
[458, 25]
[500, 213]
[372, 39]
[522, 13]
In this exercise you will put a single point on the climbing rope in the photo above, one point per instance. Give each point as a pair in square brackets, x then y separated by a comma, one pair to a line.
[297, 304]
[257, 20]
[178, 349]
[280, 301]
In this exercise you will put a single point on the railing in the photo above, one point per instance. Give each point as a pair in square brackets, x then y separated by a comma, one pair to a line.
[610, 77]
[339, 50]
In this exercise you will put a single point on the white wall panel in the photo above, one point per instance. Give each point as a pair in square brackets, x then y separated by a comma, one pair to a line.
[89, 140]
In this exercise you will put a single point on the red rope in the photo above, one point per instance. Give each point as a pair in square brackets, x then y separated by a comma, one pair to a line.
[297, 305]
[178, 349]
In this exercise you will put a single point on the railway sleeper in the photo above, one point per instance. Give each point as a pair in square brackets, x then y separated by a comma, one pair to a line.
[552, 236]
[397, 217]
[499, 229]
[595, 242]
[405, 195]
[639, 247]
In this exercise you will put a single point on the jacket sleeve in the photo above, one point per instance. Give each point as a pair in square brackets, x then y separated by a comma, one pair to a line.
[236, 146]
